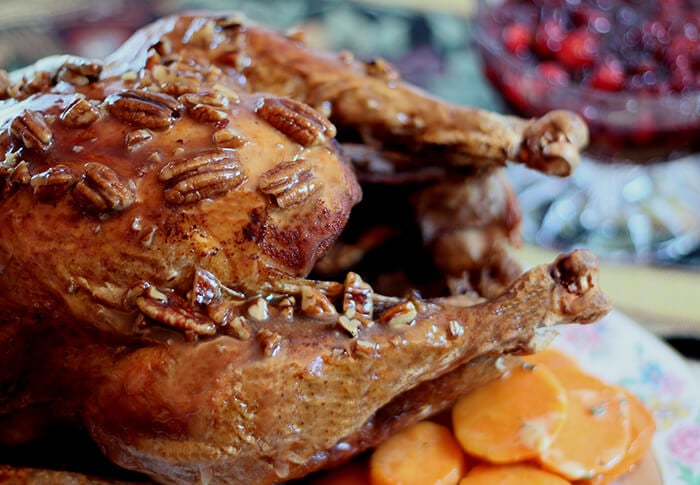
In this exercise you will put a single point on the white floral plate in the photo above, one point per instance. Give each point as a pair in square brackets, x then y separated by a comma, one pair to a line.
[621, 351]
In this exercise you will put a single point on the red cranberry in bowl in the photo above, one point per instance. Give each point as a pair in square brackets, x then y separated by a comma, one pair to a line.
[548, 37]
[517, 38]
[620, 63]
[579, 49]
[609, 75]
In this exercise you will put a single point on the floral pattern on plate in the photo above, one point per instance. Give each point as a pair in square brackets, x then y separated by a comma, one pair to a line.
[621, 351]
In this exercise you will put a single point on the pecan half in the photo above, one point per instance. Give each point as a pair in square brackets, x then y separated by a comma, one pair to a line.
[205, 113]
[298, 121]
[205, 288]
[80, 113]
[52, 183]
[20, 174]
[14, 176]
[399, 315]
[315, 304]
[101, 189]
[31, 127]
[228, 138]
[357, 298]
[171, 310]
[270, 342]
[145, 109]
[137, 138]
[204, 176]
[289, 183]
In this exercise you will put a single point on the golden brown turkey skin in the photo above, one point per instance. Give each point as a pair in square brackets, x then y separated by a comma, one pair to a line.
[367, 100]
[303, 394]
[102, 209]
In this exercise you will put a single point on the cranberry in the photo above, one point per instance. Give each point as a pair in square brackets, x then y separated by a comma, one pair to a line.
[609, 75]
[579, 49]
[548, 37]
[553, 72]
[593, 19]
[517, 38]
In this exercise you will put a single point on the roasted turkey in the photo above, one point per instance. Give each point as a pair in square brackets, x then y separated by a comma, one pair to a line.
[162, 211]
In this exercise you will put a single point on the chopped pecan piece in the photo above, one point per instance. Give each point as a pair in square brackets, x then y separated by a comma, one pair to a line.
[205, 289]
[271, 342]
[80, 113]
[52, 183]
[31, 127]
[211, 98]
[239, 328]
[79, 71]
[145, 109]
[315, 304]
[298, 121]
[200, 33]
[171, 310]
[399, 315]
[102, 189]
[228, 138]
[137, 138]
[357, 298]
[204, 176]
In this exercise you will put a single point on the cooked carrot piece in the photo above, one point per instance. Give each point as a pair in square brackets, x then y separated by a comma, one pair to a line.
[518, 474]
[570, 375]
[642, 426]
[355, 472]
[551, 357]
[423, 454]
[594, 437]
[513, 418]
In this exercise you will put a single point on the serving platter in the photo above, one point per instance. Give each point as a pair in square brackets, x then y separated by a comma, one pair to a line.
[621, 351]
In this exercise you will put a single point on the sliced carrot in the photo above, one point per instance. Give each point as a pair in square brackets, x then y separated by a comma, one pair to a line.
[423, 454]
[594, 437]
[551, 357]
[513, 418]
[642, 427]
[518, 474]
[566, 369]
[355, 472]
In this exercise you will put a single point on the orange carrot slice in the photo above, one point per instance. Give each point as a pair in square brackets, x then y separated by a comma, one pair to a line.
[355, 472]
[513, 418]
[642, 427]
[570, 375]
[594, 437]
[517, 474]
[423, 454]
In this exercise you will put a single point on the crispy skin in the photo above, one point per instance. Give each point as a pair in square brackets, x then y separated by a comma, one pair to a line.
[369, 101]
[157, 222]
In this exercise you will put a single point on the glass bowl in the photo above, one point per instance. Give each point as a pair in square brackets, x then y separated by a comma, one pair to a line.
[636, 195]
[640, 127]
